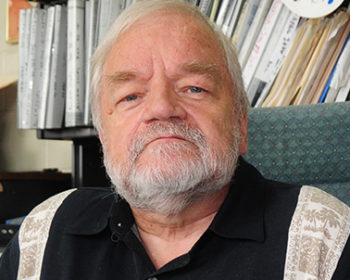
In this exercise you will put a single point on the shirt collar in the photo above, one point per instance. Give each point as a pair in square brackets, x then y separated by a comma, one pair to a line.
[92, 215]
[121, 220]
[242, 213]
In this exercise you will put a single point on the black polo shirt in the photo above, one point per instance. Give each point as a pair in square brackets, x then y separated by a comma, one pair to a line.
[93, 237]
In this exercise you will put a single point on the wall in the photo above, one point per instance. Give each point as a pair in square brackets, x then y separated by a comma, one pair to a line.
[20, 150]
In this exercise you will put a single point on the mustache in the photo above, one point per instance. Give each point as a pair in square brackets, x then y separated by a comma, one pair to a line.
[173, 128]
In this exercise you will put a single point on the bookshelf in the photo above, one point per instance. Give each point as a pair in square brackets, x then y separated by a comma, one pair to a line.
[240, 20]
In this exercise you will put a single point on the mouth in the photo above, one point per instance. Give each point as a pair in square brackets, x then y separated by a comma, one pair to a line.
[167, 139]
[159, 140]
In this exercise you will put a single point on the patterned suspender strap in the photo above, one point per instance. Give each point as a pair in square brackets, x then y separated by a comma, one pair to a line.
[318, 233]
[33, 235]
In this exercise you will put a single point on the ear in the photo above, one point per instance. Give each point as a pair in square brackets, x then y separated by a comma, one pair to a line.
[243, 145]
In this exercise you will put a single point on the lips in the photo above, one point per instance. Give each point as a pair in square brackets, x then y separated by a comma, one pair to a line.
[168, 138]
[165, 139]
[161, 140]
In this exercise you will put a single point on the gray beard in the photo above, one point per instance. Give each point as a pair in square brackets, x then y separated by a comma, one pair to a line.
[182, 172]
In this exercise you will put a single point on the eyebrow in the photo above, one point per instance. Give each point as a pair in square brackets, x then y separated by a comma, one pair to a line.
[210, 69]
[120, 76]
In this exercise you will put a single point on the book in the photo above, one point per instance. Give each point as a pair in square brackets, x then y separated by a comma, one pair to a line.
[23, 113]
[90, 47]
[26, 105]
[332, 56]
[39, 74]
[108, 11]
[24, 23]
[103, 18]
[263, 38]
[223, 10]
[241, 18]
[274, 58]
[276, 34]
[231, 18]
[205, 6]
[319, 68]
[45, 66]
[31, 95]
[228, 16]
[326, 89]
[277, 59]
[56, 96]
[74, 114]
[344, 91]
[214, 10]
[342, 71]
[86, 23]
[234, 18]
[253, 32]
[290, 74]
[312, 50]
[246, 18]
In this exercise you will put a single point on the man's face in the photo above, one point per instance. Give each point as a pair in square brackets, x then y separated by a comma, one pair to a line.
[165, 76]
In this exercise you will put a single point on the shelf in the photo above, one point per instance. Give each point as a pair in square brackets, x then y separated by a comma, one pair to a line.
[71, 133]
[6, 81]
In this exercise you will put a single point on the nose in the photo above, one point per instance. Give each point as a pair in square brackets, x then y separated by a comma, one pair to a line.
[162, 103]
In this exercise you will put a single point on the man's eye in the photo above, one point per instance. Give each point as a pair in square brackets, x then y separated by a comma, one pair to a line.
[131, 98]
[195, 89]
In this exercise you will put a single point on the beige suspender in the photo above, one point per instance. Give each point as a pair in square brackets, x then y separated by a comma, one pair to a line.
[317, 235]
[33, 235]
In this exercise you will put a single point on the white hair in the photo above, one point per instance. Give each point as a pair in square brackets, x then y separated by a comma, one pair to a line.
[142, 9]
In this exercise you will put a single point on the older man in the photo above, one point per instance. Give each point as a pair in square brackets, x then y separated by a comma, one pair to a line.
[169, 105]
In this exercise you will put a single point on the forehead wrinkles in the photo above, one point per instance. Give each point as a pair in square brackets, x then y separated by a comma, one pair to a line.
[194, 38]
[183, 23]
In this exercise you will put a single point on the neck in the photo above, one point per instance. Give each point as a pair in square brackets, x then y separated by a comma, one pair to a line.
[167, 237]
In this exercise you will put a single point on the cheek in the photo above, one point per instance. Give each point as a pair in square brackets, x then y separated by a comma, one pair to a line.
[114, 137]
[218, 129]
[219, 119]
[111, 122]
[221, 132]
[112, 145]
[118, 134]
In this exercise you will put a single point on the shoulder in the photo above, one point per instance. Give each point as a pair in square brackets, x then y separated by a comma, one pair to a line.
[247, 174]
[281, 199]
[65, 210]
[69, 205]
[281, 191]
[73, 210]
[84, 210]
[40, 218]
[87, 198]
[318, 234]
